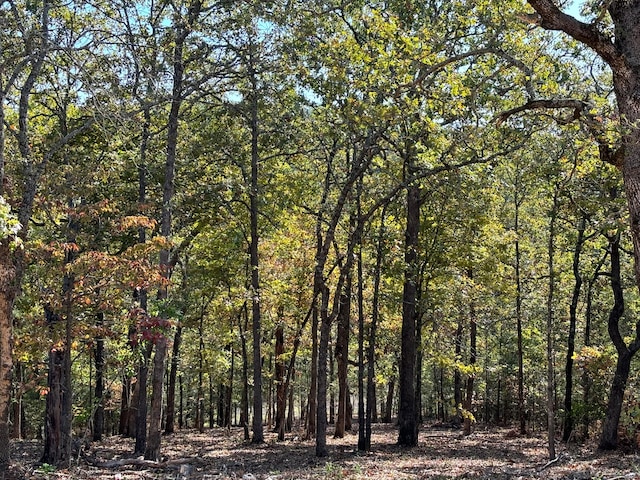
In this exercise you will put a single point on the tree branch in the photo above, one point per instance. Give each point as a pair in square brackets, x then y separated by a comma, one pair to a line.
[550, 17]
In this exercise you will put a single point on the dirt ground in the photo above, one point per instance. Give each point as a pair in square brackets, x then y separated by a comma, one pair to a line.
[441, 454]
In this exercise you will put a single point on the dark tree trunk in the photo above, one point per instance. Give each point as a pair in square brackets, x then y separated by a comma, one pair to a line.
[59, 383]
[342, 357]
[152, 452]
[244, 413]
[139, 400]
[123, 427]
[373, 330]
[181, 404]
[571, 337]
[54, 449]
[407, 415]
[521, 408]
[388, 406]
[332, 390]
[362, 413]
[228, 392]
[473, 336]
[313, 388]
[200, 393]
[323, 350]
[98, 416]
[457, 378]
[281, 392]
[171, 386]
[609, 438]
[551, 424]
[18, 408]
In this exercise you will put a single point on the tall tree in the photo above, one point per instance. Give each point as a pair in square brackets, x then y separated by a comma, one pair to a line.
[618, 47]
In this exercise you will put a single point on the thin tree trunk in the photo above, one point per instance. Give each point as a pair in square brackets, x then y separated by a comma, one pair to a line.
[244, 413]
[323, 350]
[388, 406]
[571, 337]
[551, 423]
[342, 356]
[362, 413]
[521, 407]
[171, 386]
[279, 378]
[473, 335]
[373, 330]
[98, 417]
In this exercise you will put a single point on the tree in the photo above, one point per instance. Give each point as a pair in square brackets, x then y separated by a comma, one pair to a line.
[618, 48]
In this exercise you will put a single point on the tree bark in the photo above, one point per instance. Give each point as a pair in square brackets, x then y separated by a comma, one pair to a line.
[521, 410]
[281, 392]
[609, 437]
[323, 350]
[152, 452]
[551, 424]
[342, 357]
[169, 426]
[98, 416]
[571, 337]
[373, 330]
[407, 415]
[139, 400]
[9, 280]
[473, 337]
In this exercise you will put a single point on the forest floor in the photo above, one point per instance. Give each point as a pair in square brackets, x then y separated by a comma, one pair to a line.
[441, 454]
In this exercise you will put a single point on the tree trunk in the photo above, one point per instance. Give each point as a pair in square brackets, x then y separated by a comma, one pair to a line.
[342, 357]
[407, 417]
[8, 291]
[244, 413]
[388, 406]
[571, 337]
[373, 330]
[313, 388]
[152, 452]
[323, 350]
[98, 416]
[473, 336]
[457, 378]
[521, 410]
[279, 378]
[257, 427]
[362, 413]
[54, 450]
[139, 400]
[609, 438]
[551, 423]
[171, 386]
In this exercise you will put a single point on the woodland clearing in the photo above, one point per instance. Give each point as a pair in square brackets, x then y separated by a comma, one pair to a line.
[441, 454]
